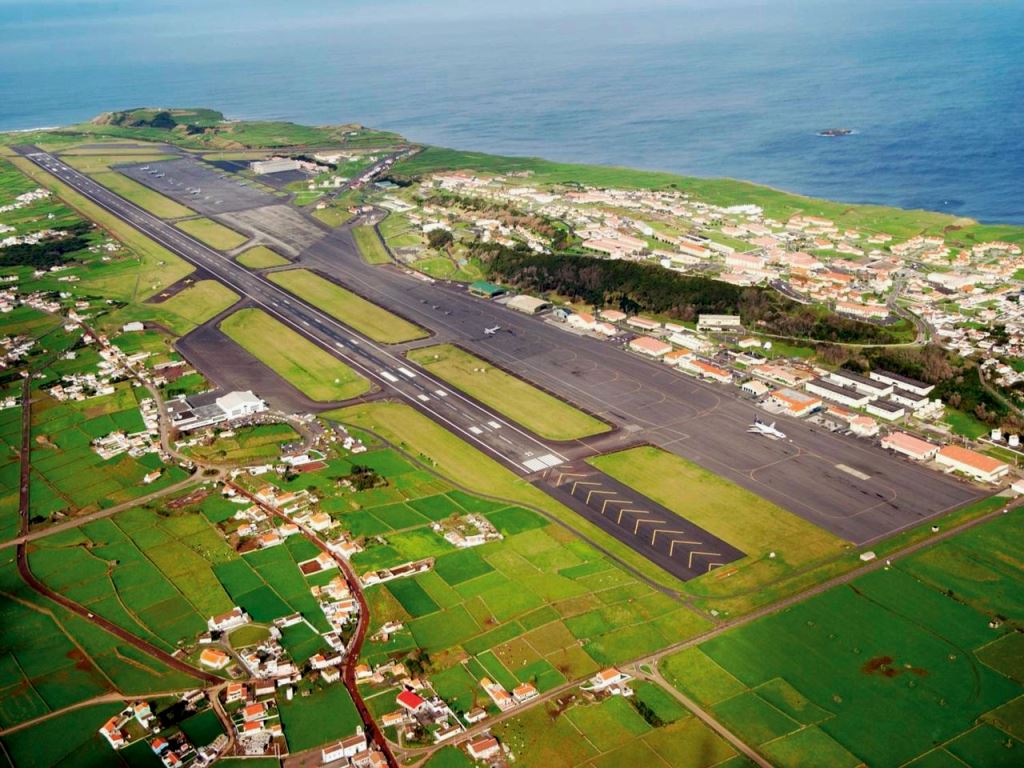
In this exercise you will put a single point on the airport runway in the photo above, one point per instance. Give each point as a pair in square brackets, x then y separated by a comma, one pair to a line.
[846, 485]
[474, 423]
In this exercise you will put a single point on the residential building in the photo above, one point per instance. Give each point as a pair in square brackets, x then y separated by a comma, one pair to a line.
[484, 748]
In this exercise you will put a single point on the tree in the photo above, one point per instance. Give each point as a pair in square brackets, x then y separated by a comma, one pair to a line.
[440, 239]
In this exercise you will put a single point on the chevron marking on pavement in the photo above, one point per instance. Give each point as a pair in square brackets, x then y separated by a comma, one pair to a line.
[563, 475]
[642, 520]
[712, 566]
[580, 482]
[672, 546]
[666, 530]
[624, 510]
[689, 564]
[599, 493]
[604, 506]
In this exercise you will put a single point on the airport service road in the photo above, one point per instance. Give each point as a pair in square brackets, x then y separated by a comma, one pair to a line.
[483, 428]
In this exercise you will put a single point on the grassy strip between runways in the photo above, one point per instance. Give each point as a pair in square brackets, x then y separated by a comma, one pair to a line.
[260, 257]
[742, 518]
[213, 234]
[370, 246]
[520, 401]
[307, 367]
[347, 307]
[158, 267]
[465, 465]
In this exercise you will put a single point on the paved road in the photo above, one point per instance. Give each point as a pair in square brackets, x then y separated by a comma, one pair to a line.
[355, 643]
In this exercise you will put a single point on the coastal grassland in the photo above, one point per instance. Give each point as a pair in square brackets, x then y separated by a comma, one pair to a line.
[776, 204]
[307, 367]
[745, 520]
[212, 233]
[246, 444]
[370, 246]
[349, 308]
[99, 169]
[183, 311]
[541, 413]
[883, 669]
[260, 257]
[67, 474]
[325, 715]
[207, 129]
[460, 462]
[153, 268]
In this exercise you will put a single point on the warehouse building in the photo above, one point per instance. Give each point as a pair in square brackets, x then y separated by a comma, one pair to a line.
[886, 409]
[837, 394]
[862, 384]
[795, 403]
[645, 345]
[904, 383]
[528, 305]
[971, 463]
[908, 445]
[274, 165]
[719, 323]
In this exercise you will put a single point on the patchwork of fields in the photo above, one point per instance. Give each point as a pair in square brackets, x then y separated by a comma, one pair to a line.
[897, 667]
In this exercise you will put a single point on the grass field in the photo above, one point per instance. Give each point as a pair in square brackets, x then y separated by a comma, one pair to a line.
[743, 519]
[348, 307]
[325, 715]
[69, 739]
[67, 475]
[183, 311]
[456, 460]
[520, 401]
[610, 733]
[248, 444]
[212, 233]
[136, 279]
[307, 367]
[260, 257]
[370, 247]
[898, 664]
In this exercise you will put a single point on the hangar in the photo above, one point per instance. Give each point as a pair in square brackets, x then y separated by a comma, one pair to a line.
[528, 305]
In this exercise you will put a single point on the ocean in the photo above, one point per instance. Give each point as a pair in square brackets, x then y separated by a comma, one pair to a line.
[932, 88]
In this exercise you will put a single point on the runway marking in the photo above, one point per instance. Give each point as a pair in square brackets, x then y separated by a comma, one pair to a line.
[672, 546]
[406, 372]
[494, 425]
[640, 521]
[689, 563]
[476, 430]
[627, 509]
[389, 376]
[668, 530]
[851, 471]
[581, 482]
[612, 501]
[424, 398]
[599, 493]
[563, 475]
[440, 393]
[712, 566]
